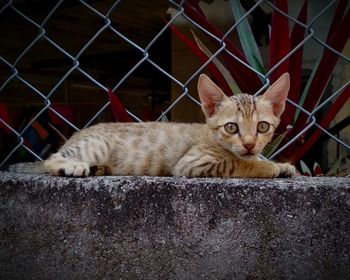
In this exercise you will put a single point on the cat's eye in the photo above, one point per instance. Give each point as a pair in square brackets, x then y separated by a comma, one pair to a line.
[263, 127]
[231, 128]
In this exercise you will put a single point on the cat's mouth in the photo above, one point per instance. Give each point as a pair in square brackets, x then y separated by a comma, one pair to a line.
[248, 154]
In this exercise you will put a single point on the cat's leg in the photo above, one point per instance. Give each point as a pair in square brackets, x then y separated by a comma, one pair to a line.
[201, 162]
[256, 169]
[195, 164]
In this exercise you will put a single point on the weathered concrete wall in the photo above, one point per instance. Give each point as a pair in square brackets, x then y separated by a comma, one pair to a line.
[173, 228]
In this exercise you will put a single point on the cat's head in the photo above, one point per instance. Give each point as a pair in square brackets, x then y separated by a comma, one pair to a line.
[243, 124]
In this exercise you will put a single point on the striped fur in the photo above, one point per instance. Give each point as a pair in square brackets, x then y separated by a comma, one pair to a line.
[191, 150]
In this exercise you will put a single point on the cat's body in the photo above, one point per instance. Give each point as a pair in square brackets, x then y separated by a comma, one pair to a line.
[237, 130]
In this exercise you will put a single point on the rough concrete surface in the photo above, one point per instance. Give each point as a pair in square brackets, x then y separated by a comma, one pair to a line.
[173, 228]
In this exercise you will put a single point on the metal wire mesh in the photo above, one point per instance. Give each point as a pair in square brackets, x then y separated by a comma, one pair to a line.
[42, 34]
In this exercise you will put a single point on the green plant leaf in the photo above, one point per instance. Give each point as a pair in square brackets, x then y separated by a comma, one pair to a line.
[272, 147]
[261, 69]
[204, 58]
[305, 169]
[306, 89]
[246, 37]
[164, 119]
[245, 78]
[225, 73]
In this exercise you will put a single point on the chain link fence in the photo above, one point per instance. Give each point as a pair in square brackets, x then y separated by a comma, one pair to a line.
[31, 30]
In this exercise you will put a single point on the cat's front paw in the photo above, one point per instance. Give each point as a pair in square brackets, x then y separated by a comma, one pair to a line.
[286, 170]
[75, 169]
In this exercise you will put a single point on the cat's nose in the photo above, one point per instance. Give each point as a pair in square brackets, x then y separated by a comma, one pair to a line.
[249, 146]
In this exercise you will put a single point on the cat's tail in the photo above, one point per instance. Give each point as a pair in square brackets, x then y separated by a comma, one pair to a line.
[28, 167]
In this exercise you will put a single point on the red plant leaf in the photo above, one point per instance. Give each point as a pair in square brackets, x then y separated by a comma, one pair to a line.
[195, 5]
[119, 112]
[295, 67]
[318, 84]
[331, 113]
[4, 115]
[245, 78]
[338, 16]
[196, 14]
[325, 68]
[279, 41]
[317, 169]
[204, 58]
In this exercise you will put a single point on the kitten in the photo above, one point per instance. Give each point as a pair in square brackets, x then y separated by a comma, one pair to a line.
[237, 129]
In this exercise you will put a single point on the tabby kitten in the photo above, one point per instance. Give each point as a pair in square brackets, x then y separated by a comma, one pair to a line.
[237, 129]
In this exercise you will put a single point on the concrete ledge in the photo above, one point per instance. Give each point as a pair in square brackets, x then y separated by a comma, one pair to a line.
[173, 228]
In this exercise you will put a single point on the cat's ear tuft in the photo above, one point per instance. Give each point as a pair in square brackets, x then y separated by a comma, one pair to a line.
[277, 94]
[210, 95]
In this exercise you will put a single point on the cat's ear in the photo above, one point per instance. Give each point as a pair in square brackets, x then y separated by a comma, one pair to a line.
[277, 94]
[210, 95]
